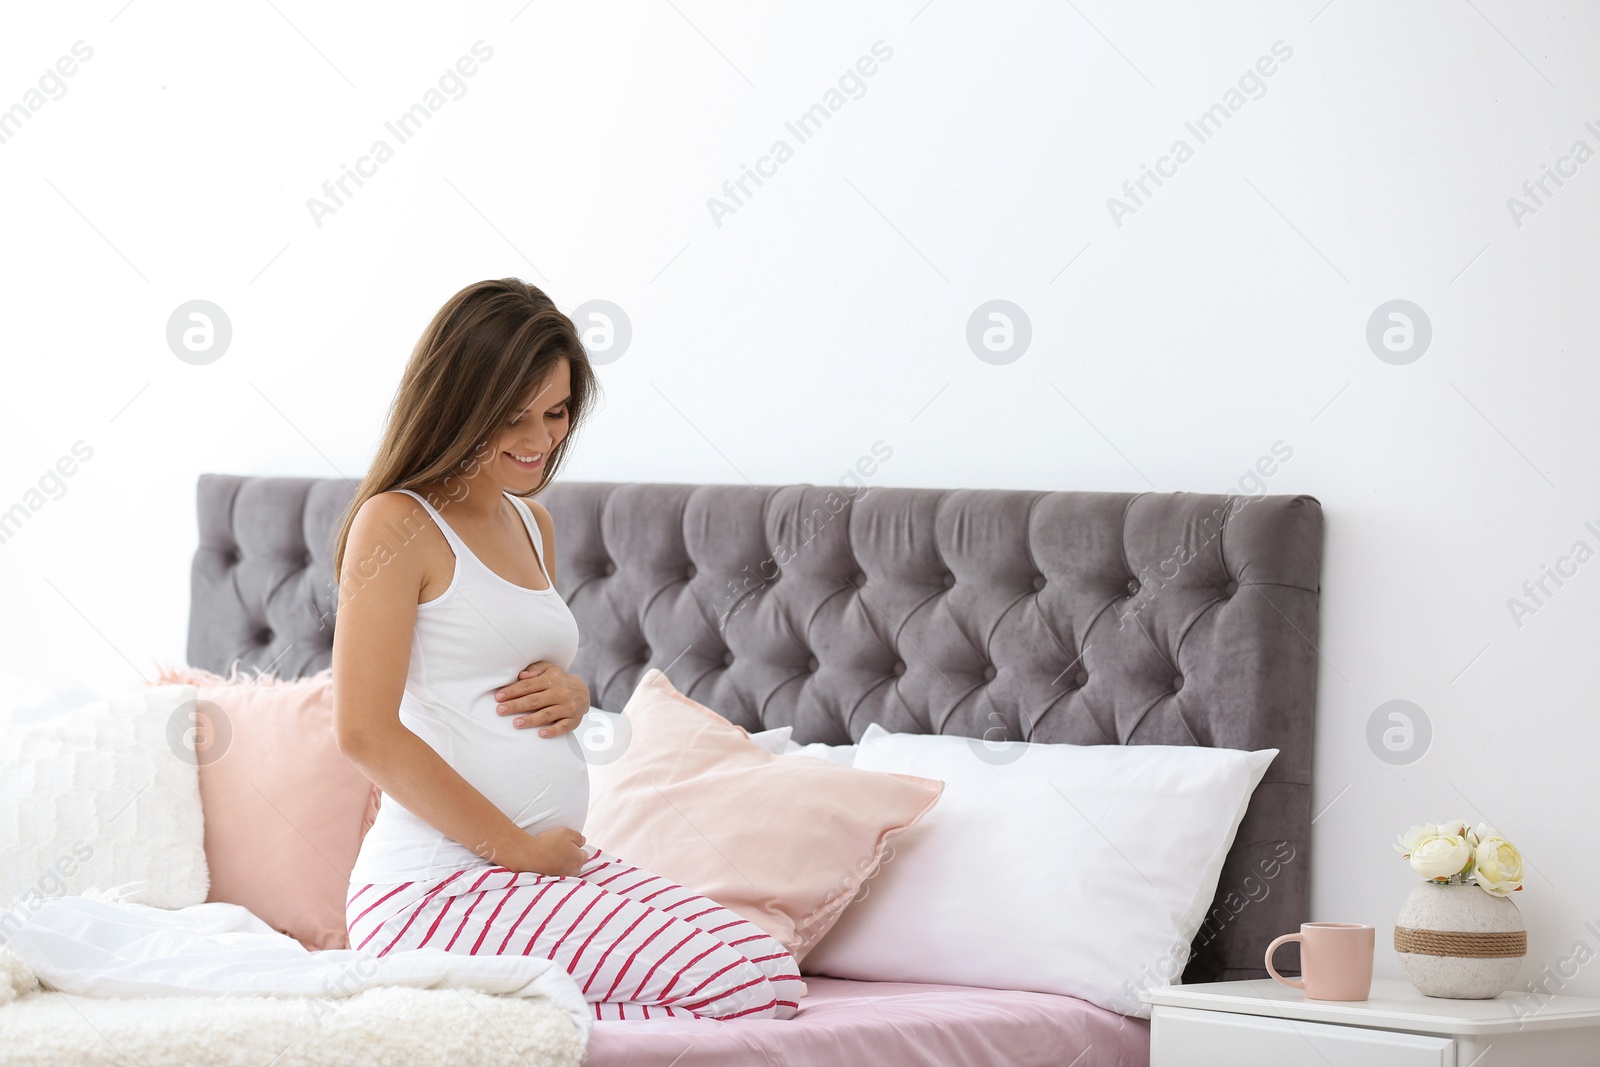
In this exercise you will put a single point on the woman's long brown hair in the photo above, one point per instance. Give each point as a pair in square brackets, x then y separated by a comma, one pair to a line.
[485, 350]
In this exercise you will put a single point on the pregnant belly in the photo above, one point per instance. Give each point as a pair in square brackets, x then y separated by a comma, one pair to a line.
[538, 782]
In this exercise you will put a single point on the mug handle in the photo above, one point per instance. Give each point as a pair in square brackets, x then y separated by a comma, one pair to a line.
[1296, 983]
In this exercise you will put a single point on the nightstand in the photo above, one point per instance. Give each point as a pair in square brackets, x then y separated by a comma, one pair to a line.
[1244, 1024]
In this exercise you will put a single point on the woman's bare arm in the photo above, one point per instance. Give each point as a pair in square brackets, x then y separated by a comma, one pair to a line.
[372, 635]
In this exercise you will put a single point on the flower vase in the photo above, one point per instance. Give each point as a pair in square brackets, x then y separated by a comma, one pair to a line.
[1460, 942]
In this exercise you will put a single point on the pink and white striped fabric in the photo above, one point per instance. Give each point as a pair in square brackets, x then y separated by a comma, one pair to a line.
[639, 946]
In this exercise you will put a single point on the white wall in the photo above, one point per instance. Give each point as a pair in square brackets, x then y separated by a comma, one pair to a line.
[1227, 313]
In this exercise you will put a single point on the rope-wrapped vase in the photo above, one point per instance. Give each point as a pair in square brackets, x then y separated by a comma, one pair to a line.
[1458, 941]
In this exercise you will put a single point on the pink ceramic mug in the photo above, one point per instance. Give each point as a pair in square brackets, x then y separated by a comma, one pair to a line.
[1335, 960]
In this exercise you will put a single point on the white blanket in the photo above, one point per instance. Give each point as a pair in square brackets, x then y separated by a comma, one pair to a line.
[106, 948]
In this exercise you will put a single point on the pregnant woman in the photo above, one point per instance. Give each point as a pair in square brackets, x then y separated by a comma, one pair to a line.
[446, 592]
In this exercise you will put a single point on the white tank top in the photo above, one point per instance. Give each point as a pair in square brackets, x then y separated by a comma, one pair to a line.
[468, 642]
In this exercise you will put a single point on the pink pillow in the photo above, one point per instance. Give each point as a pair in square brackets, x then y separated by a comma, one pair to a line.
[284, 810]
[783, 841]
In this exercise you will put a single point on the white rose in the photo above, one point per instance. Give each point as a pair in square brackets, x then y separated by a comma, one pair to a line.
[1409, 839]
[1499, 867]
[1453, 828]
[1440, 856]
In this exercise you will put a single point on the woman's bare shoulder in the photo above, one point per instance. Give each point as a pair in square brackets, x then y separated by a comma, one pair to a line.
[540, 512]
[388, 522]
[547, 531]
[390, 503]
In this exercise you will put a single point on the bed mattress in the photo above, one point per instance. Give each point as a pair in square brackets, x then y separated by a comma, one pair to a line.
[889, 1024]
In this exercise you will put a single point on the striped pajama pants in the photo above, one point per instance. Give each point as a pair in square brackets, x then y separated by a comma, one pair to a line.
[638, 946]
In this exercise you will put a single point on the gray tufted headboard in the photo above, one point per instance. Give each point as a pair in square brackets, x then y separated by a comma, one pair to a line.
[1089, 618]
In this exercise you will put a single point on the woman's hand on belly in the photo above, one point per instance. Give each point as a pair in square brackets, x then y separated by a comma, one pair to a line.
[545, 696]
[558, 853]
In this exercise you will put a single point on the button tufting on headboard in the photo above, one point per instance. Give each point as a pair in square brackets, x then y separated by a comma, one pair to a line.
[1137, 585]
[261, 588]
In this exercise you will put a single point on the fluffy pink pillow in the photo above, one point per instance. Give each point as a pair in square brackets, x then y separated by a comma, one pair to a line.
[284, 810]
[784, 841]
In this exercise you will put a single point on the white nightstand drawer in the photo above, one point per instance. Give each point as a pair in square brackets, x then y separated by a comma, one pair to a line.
[1183, 1037]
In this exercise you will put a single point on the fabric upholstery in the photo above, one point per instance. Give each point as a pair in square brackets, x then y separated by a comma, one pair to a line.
[1006, 614]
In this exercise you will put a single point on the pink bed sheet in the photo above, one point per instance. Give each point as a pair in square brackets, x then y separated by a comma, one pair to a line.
[893, 1024]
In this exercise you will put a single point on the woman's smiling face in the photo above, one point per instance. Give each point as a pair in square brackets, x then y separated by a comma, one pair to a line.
[536, 426]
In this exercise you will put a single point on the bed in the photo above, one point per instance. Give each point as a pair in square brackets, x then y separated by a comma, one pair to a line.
[997, 614]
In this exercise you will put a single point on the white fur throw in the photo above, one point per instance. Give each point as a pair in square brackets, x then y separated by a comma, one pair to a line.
[393, 1024]
[104, 796]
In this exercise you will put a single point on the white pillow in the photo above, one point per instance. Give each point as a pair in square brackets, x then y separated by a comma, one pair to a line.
[843, 755]
[773, 740]
[104, 796]
[1080, 870]
[31, 698]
